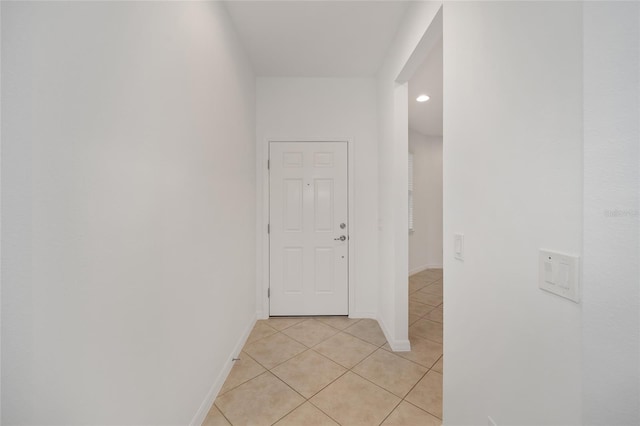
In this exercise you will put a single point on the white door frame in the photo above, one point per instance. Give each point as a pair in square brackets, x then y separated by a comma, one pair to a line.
[263, 218]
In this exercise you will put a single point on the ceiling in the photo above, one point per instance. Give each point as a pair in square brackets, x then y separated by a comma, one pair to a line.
[426, 117]
[316, 38]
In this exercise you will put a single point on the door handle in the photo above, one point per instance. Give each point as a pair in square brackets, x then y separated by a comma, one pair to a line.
[340, 238]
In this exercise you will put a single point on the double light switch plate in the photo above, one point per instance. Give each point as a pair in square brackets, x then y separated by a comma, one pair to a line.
[559, 273]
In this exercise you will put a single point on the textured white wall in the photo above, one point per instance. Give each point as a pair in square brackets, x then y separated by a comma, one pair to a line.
[611, 293]
[331, 108]
[128, 187]
[512, 184]
[425, 242]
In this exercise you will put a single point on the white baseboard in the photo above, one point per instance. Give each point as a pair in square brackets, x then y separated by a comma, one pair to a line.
[202, 412]
[424, 268]
[367, 315]
[396, 345]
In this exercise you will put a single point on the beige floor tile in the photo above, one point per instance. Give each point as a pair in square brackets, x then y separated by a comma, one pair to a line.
[243, 370]
[418, 283]
[415, 285]
[306, 415]
[260, 330]
[354, 401]
[410, 415]
[260, 401]
[419, 309]
[310, 332]
[280, 323]
[345, 349]
[426, 329]
[438, 366]
[430, 274]
[428, 394]
[215, 418]
[369, 331]
[436, 315]
[427, 276]
[423, 352]
[395, 374]
[308, 372]
[413, 318]
[273, 350]
[434, 288]
[426, 298]
[338, 322]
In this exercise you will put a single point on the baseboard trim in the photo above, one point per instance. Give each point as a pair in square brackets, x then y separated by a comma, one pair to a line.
[363, 315]
[396, 345]
[401, 346]
[424, 268]
[202, 412]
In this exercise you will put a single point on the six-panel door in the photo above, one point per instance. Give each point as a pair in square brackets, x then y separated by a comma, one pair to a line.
[308, 216]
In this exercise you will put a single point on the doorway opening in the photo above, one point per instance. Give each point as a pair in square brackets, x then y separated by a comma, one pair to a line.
[425, 197]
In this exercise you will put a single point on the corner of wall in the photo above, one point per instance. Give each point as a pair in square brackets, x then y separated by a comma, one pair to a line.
[397, 345]
[205, 406]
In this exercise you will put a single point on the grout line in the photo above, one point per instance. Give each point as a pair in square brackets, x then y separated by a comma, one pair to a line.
[391, 412]
[326, 414]
[423, 376]
[302, 343]
[377, 385]
[364, 359]
[329, 384]
[362, 340]
[220, 410]
[248, 380]
[347, 370]
[290, 387]
[421, 409]
[324, 356]
[418, 364]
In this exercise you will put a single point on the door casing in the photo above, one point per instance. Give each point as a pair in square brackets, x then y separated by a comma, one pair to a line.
[263, 219]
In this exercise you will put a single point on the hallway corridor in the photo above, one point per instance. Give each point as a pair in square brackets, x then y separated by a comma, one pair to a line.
[336, 370]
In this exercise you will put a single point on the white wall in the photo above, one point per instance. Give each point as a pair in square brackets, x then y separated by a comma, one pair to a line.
[425, 242]
[128, 210]
[393, 152]
[512, 185]
[330, 108]
[611, 293]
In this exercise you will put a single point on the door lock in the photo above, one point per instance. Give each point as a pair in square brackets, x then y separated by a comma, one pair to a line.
[343, 225]
[340, 238]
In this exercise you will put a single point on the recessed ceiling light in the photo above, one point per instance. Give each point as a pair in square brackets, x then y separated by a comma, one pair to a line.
[422, 98]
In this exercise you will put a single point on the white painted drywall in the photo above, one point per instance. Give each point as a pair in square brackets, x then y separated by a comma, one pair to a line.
[393, 152]
[513, 181]
[331, 108]
[425, 241]
[611, 291]
[128, 210]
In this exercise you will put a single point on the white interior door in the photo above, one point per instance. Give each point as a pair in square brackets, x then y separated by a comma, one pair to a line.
[309, 231]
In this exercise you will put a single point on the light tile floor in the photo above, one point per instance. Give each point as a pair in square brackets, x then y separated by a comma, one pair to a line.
[339, 371]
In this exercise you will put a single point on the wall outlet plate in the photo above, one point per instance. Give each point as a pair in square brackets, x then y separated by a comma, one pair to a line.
[559, 273]
[490, 422]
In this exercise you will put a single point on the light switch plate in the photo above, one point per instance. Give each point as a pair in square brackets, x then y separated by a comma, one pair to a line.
[458, 246]
[559, 273]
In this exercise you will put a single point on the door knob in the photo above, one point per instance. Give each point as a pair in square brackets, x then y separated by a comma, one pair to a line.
[340, 238]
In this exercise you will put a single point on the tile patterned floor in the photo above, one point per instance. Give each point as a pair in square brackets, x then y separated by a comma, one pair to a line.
[339, 371]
